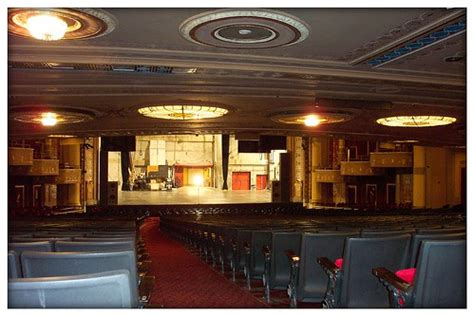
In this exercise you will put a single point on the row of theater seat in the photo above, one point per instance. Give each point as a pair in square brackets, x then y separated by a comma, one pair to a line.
[284, 256]
[74, 264]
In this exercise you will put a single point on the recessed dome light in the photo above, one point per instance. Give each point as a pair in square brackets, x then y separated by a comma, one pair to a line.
[49, 119]
[50, 116]
[406, 141]
[46, 27]
[61, 136]
[56, 24]
[416, 121]
[311, 120]
[182, 112]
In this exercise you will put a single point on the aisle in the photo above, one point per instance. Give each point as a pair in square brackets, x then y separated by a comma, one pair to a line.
[183, 280]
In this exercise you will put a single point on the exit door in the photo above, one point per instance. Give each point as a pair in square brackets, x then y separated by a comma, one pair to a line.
[240, 180]
[261, 181]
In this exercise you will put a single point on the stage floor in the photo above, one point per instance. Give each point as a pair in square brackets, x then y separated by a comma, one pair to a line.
[193, 195]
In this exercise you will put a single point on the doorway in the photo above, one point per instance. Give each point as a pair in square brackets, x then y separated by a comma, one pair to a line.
[371, 194]
[240, 180]
[351, 194]
[261, 181]
[391, 193]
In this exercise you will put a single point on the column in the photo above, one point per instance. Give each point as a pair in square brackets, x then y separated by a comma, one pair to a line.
[419, 177]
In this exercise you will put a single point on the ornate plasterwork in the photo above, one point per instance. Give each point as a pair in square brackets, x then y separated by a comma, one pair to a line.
[283, 29]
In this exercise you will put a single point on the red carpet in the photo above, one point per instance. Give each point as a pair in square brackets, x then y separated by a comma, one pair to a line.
[183, 280]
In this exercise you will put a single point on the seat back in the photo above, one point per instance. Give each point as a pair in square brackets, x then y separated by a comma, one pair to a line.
[19, 247]
[440, 279]
[104, 239]
[229, 236]
[417, 239]
[280, 266]
[451, 230]
[14, 268]
[312, 280]
[243, 236]
[52, 240]
[100, 290]
[38, 264]
[359, 288]
[81, 246]
[259, 239]
[384, 233]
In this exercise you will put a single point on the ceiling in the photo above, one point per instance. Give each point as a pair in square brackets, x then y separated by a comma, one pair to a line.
[145, 60]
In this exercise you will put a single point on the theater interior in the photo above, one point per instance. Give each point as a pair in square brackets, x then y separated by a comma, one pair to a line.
[237, 158]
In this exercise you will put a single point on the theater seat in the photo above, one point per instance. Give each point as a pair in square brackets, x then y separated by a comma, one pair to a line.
[353, 285]
[277, 268]
[417, 239]
[308, 281]
[14, 267]
[38, 264]
[439, 280]
[100, 290]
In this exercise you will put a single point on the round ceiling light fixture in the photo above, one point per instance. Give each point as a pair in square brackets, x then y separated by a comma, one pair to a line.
[182, 112]
[312, 119]
[48, 116]
[252, 28]
[406, 141]
[56, 24]
[416, 121]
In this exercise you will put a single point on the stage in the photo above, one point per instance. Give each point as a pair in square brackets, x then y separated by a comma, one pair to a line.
[193, 195]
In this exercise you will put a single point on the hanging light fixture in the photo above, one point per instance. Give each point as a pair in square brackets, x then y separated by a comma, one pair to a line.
[416, 121]
[182, 112]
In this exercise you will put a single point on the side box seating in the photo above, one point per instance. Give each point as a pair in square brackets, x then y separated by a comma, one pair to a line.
[100, 290]
[353, 285]
[439, 279]
[38, 264]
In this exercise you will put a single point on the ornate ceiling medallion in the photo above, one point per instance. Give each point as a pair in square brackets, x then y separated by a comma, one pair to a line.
[182, 112]
[49, 116]
[312, 119]
[244, 29]
[416, 121]
[55, 24]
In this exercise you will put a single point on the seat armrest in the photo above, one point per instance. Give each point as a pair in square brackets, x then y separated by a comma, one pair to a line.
[328, 265]
[400, 292]
[294, 276]
[144, 266]
[247, 247]
[266, 251]
[143, 257]
[292, 256]
[387, 276]
[145, 288]
[333, 290]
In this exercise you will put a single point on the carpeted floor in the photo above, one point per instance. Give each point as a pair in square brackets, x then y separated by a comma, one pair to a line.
[183, 280]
